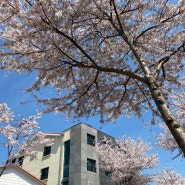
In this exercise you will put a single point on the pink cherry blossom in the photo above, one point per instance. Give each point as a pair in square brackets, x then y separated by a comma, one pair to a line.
[18, 134]
[125, 159]
[126, 162]
[169, 177]
[107, 58]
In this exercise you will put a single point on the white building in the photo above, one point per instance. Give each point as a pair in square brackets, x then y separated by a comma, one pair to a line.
[16, 175]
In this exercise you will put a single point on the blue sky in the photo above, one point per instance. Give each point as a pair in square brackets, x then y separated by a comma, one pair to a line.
[12, 92]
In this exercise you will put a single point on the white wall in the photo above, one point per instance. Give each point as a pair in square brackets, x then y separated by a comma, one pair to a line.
[12, 176]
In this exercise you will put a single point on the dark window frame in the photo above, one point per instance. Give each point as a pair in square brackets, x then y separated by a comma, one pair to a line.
[90, 139]
[65, 183]
[67, 145]
[44, 173]
[13, 160]
[20, 160]
[91, 165]
[47, 150]
[108, 173]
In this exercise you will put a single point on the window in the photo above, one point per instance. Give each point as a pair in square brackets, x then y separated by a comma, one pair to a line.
[20, 160]
[66, 158]
[47, 150]
[65, 183]
[91, 165]
[108, 173]
[13, 160]
[44, 173]
[90, 139]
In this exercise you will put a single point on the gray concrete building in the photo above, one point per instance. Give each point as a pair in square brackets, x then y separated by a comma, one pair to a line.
[71, 160]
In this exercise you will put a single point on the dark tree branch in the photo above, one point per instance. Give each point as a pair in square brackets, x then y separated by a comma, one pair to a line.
[28, 2]
[155, 26]
[117, 16]
[164, 60]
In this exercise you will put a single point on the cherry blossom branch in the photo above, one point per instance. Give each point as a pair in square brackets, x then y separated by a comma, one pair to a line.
[164, 60]
[18, 134]
[157, 25]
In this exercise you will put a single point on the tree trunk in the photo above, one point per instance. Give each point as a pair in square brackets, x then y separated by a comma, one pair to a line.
[175, 128]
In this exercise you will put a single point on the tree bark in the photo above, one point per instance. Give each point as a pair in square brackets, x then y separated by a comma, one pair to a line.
[175, 128]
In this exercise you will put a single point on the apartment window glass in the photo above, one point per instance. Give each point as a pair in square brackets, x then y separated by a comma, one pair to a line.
[44, 173]
[20, 160]
[66, 158]
[13, 160]
[65, 183]
[91, 165]
[47, 150]
[108, 173]
[90, 139]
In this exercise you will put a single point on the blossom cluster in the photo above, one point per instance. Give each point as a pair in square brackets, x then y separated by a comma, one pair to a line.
[18, 134]
[126, 162]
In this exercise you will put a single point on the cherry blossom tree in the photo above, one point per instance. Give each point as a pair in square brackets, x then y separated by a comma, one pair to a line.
[169, 177]
[104, 57]
[126, 162]
[18, 134]
[166, 141]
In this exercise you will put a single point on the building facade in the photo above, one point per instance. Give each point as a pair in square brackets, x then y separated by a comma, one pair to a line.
[71, 160]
